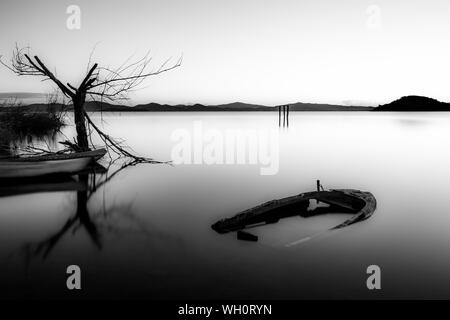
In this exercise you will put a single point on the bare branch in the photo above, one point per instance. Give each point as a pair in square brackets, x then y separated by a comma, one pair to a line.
[22, 65]
[115, 84]
[87, 78]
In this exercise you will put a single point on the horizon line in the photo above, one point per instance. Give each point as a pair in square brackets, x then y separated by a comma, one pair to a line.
[25, 95]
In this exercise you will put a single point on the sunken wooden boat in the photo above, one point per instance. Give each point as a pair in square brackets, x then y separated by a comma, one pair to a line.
[359, 204]
[35, 166]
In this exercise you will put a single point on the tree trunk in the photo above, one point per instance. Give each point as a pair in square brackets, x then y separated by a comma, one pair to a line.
[80, 122]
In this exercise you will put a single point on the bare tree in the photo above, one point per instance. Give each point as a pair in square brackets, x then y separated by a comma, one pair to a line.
[99, 83]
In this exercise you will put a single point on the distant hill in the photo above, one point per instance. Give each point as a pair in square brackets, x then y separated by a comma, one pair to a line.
[414, 103]
[300, 106]
[240, 106]
[156, 107]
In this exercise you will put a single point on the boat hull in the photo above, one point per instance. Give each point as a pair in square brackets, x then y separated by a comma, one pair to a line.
[36, 166]
[359, 204]
[92, 154]
[16, 169]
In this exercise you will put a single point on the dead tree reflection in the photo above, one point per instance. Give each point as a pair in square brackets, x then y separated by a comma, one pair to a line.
[83, 219]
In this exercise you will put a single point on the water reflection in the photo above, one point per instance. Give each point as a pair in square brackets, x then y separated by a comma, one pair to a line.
[86, 185]
[412, 122]
[80, 220]
[153, 221]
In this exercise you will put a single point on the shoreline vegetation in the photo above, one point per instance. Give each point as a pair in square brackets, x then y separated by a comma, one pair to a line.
[22, 123]
[17, 124]
[18, 127]
[407, 103]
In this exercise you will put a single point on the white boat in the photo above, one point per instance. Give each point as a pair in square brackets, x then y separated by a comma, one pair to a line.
[26, 167]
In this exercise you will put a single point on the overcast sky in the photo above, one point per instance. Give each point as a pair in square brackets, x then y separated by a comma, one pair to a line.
[268, 52]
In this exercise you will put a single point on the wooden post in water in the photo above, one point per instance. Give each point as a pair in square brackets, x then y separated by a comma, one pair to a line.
[279, 116]
[287, 115]
[318, 190]
[285, 109]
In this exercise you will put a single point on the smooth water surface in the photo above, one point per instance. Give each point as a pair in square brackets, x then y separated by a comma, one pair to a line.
[146, 232]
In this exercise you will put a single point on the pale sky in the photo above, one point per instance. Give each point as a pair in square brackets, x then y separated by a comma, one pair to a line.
[255, 51]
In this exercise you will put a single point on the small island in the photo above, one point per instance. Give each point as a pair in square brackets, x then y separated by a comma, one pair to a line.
[414, 104]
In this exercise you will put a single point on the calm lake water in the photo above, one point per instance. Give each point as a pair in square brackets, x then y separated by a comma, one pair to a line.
[147, 231]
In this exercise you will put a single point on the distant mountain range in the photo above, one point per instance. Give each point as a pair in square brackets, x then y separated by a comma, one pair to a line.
[415, 103]
[155, 107]
[407, 103]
